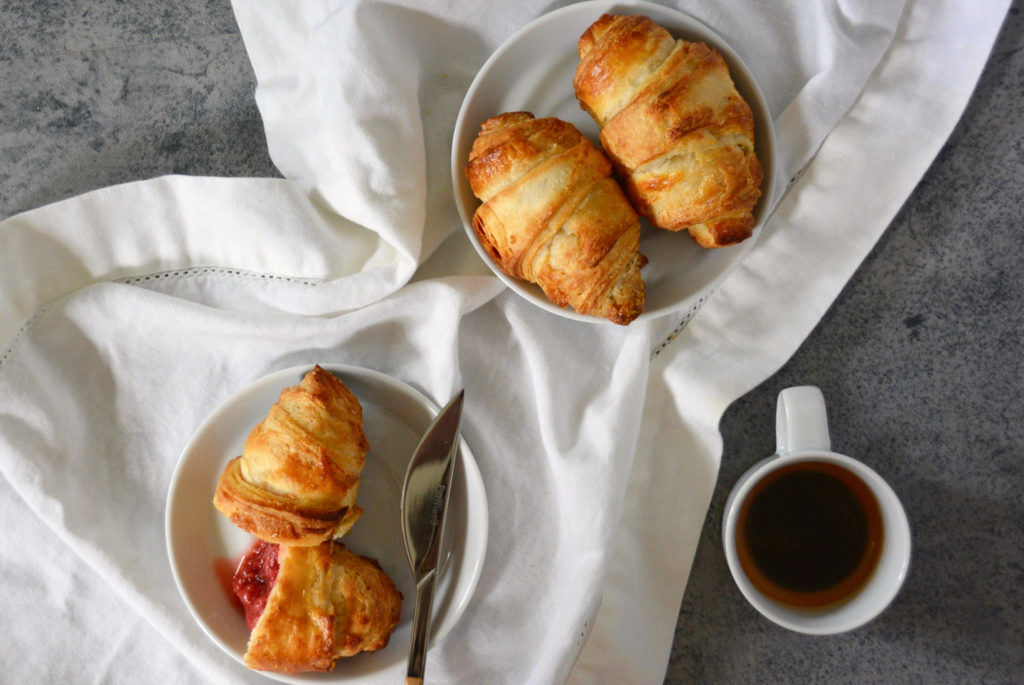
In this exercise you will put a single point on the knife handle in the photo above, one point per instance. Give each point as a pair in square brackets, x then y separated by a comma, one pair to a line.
[421, 629]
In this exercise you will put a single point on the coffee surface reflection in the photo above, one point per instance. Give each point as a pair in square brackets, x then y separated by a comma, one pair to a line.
[810, 534]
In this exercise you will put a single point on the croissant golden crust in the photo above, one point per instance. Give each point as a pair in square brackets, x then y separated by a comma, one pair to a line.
[297, 479]
[679, 133]
[552, 215]
[326, 603]
[275, 519]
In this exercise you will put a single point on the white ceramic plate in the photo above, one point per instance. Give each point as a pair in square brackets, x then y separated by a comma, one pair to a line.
[533, 72]
[394, 416]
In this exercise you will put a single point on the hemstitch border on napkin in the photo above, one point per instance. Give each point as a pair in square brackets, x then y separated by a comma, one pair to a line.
[140, 279]
[687, 318]
[220, 270]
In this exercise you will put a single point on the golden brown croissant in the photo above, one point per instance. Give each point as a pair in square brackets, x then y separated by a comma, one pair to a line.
[297, 479]
[681, 136]
[552, 215]
[309, 606]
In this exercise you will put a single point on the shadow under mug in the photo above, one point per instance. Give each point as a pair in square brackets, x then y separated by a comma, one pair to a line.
[801, 427]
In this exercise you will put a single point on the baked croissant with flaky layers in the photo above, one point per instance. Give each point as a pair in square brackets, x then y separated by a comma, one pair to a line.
[298, 476]
[671, 119]
[552, 215]
[309, 606]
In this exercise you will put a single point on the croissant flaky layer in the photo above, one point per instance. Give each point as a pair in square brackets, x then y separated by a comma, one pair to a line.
[552, 215]
[298, 476]
[325, 603]
[680, 134]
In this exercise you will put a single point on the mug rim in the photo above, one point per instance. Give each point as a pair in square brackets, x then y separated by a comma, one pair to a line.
[860, 608]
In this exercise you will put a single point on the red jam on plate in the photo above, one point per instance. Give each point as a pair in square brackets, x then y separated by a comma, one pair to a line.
[254, 579]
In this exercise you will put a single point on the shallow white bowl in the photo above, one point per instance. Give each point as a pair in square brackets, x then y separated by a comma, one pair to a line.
[533, 72]
[394, 416]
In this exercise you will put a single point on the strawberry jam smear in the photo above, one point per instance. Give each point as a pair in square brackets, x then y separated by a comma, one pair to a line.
[254, 579]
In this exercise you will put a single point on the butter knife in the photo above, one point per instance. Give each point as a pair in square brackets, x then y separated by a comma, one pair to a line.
[424, 505]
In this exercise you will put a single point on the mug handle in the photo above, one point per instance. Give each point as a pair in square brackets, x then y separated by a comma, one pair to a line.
[801, 422]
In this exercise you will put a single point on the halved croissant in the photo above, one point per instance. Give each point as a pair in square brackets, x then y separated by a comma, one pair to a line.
[552, 215]
[681, 136]
[315, 605]
[298, 477]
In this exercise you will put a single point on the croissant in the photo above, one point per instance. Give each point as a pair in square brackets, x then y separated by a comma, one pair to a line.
[552, 215]
[671, 119]
[309, 606]
[298, 476]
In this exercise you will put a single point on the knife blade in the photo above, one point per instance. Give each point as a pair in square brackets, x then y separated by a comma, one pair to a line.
[424, 506]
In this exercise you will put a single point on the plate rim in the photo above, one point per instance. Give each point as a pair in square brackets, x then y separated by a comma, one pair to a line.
[477, 536]
[531, 292]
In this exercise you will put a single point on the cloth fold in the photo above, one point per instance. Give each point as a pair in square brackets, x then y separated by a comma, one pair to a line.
[128, 314]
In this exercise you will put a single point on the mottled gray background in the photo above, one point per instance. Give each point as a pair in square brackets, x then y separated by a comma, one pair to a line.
[920, 358]
[98, 92]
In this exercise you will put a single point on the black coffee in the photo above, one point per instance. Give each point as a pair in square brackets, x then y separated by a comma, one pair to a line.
[809, 534]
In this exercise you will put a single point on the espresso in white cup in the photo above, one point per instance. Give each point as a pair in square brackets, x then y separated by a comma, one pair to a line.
[815, 540]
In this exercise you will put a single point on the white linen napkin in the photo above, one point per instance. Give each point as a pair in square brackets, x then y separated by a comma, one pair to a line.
[128, 314]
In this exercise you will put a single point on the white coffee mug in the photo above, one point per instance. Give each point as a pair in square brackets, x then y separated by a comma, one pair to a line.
[803, 444]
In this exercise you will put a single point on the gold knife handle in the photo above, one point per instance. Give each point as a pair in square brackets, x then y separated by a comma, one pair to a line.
[421, 629]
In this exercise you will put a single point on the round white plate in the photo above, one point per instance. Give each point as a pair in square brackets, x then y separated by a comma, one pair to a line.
[395, 415]
[532, 72]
